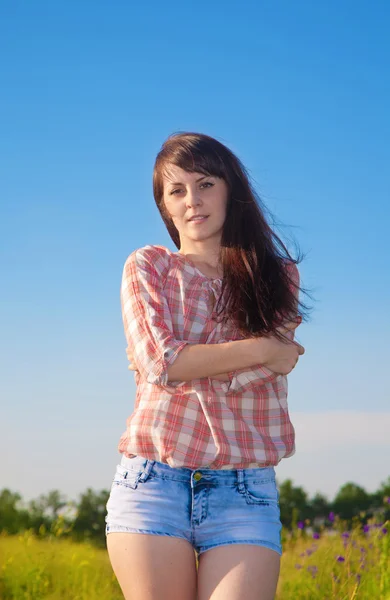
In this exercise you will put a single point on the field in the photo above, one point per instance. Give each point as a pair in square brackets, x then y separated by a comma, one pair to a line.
[343, 566]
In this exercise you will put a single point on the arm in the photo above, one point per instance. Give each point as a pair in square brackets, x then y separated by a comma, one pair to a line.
[209, 360]
[152, 348]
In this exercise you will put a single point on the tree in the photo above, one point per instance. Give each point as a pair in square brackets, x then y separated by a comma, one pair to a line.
[12, 519]
[351, 500]
[292, 498]
[91, 509]
[319, 506]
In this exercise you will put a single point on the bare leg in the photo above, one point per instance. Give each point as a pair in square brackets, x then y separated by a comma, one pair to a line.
[238, 572]
[153, 567]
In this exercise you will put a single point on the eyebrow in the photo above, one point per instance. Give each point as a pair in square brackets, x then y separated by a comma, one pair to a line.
[200, 179]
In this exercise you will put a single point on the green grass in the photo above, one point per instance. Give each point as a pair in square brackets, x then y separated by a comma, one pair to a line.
[336, 567]
[53, 568]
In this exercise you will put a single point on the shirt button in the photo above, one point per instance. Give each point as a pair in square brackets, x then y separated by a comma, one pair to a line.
[197, 476]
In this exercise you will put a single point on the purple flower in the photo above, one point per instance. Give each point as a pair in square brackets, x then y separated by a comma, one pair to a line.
[388, 499]
[298, 566]
[345, 534]
[366, 528]
[331, 517]
[313, 569]
[340, 559]
[309, 552]
[362, 549]
[358, 577]
[301, 525]
[316, 535]
[384, 530]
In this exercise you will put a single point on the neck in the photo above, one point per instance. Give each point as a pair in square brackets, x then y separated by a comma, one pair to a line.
[207, 254]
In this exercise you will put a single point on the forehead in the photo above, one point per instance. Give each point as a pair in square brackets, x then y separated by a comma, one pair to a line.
[175, 174]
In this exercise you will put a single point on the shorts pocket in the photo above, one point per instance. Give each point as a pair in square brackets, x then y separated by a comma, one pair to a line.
[127, 477]
[260, 491]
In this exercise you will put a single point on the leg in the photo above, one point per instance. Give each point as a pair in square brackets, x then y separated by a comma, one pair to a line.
[153, 567]
[238, 572]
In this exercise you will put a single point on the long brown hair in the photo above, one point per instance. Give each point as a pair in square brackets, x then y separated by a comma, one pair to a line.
[259, 284]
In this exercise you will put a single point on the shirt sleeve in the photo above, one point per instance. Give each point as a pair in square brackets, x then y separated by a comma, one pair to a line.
[147, 321]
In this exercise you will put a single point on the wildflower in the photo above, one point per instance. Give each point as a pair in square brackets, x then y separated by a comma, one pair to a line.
[301, 525]
[358, 577]
[384, 530]
[298, 566]
[331, 517]
[313, 569]
[345, 534]
[316, 535]
[366, 528]
[309, 552]
[387, 499]
[340, 559]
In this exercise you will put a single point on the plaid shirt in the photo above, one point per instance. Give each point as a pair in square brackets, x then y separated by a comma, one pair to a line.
[168, 303]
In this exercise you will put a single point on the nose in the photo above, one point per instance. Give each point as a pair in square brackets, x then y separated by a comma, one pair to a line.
[193, 198]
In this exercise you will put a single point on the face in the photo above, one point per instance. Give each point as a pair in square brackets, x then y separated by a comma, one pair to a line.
[187, 195]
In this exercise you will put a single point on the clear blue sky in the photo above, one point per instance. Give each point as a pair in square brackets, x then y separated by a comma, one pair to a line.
[89, 91]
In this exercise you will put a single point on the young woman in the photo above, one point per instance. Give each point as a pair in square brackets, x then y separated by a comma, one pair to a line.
[210, 333]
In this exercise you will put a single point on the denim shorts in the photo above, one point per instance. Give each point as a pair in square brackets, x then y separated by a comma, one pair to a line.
[206, 507]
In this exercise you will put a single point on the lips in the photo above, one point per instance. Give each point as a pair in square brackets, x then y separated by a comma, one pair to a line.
[198, 218]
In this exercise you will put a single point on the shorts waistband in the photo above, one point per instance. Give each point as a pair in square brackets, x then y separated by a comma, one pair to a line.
[147, 467]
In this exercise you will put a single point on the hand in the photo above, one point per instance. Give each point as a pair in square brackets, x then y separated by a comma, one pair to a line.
[281, 357]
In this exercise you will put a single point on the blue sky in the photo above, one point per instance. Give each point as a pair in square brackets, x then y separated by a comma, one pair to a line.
[90, 90]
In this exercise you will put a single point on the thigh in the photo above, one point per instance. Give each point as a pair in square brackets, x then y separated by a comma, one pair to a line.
[153, 567]
[238, 572]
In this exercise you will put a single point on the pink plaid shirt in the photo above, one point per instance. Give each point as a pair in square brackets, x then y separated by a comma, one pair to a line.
[168, 303]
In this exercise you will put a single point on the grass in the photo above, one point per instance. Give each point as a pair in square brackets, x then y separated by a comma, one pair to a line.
[342, 566]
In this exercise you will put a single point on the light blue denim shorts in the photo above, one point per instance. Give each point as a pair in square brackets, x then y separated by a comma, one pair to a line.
[206, 507]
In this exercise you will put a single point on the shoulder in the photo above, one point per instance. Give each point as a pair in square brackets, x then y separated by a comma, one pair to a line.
[152, 258]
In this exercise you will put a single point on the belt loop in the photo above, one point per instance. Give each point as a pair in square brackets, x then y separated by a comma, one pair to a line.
[241, 480]
[147, 470]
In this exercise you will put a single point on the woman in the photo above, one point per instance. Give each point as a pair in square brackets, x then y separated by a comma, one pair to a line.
[210, 336]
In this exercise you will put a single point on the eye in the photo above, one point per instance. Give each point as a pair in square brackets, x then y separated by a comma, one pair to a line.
[208, 183]
[174, 192]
